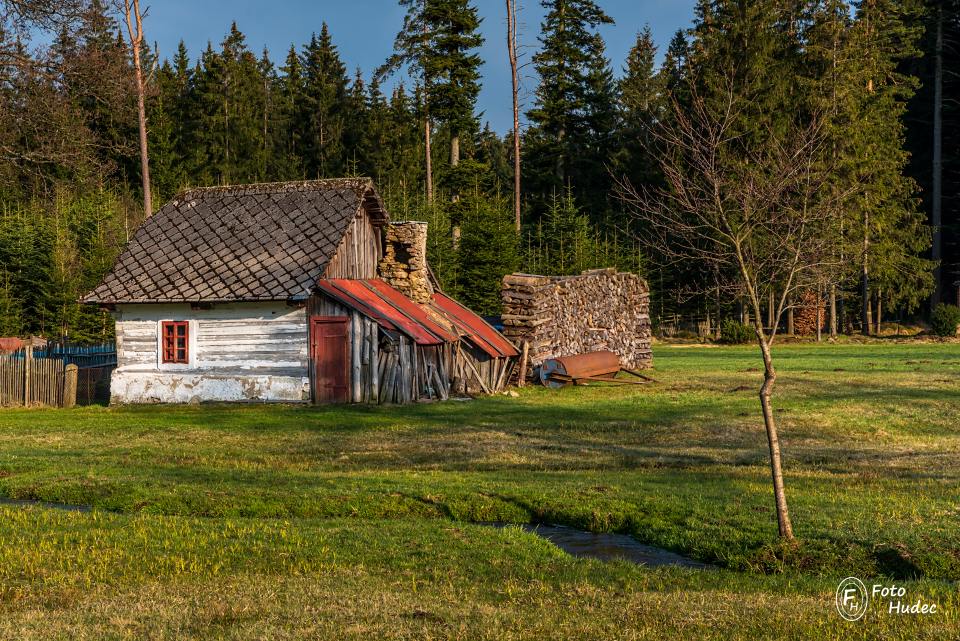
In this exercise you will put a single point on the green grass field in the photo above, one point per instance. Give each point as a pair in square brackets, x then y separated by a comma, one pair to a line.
[281, 522]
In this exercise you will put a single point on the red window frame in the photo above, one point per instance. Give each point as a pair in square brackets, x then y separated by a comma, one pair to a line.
[175, 341]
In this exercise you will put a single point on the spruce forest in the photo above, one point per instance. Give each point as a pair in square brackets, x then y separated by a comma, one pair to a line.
[876, 76]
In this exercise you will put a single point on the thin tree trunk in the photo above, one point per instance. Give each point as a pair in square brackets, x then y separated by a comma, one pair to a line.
[865, 277]
[833, 311]
[936, 250]
[514, 76]
[791, 330]
[773, 441]
[428, 153]
[819, 313]
[770, 424]
[770, 304]
[454, 150]
[135, 32]
[878, 325]
[454, 161]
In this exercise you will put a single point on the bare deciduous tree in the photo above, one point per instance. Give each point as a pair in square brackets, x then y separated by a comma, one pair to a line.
[749, 209]
[134, 18]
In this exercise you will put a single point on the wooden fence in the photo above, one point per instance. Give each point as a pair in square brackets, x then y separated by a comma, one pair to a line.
[84, 357]
[49, 377]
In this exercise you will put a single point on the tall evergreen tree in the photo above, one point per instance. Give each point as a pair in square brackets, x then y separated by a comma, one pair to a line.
[167, 169]
[641, 107]
[453, 66]
[289, 132]
[889, 228]
[325, 93]
[568, 143]
[229, 100]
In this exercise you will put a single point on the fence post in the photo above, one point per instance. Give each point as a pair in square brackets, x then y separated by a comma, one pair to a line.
[522, 376]
[27, 366]
[70, 385]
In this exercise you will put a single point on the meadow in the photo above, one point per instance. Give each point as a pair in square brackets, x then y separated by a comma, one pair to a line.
[356, 522]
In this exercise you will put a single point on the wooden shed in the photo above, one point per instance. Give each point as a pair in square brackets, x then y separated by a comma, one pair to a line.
[292, 292]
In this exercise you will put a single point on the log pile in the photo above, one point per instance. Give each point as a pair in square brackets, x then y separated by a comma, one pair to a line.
[566, 315]
[810, 311]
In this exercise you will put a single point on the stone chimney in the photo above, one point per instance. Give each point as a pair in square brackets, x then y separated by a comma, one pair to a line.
[404, 263]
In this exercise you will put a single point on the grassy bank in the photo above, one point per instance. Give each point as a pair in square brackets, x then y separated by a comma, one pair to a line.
[283, 521]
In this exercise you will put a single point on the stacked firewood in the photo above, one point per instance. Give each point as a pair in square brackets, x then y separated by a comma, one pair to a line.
[809, 312]
[566, 315]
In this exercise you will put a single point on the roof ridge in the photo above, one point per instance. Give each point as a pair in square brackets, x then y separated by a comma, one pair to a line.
[286, 185]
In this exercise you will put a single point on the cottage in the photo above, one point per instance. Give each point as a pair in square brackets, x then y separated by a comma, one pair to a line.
[292, 292]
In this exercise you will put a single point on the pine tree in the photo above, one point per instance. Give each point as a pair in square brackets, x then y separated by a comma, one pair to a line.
[488, 248]
[357, 118]
[641, 108]
[889, 229]
[568, 143]
[167, 167]
[674, 68]
[322, 110]
[289, 132]
[267, 107]
[228, 136]
[453, 67]
[564, 241]
[755, 47]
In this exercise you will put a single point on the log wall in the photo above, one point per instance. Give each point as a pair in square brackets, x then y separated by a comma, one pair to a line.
[238, 352]
[567, 315]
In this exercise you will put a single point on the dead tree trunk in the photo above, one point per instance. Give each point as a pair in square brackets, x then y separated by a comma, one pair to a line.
[512, 51]
[427, 152]
[135, 32]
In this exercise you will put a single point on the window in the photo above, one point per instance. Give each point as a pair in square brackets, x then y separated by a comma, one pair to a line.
[175, 341]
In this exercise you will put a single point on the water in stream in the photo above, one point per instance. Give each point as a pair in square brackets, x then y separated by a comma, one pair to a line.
[607, 547]
[578, 543]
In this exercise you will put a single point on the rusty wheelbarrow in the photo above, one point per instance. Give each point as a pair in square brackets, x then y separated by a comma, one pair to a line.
[583, 368]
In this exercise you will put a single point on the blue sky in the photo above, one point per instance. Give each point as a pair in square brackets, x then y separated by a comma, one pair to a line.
[363, 31]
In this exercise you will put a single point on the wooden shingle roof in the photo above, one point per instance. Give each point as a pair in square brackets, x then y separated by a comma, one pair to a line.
[244, 243]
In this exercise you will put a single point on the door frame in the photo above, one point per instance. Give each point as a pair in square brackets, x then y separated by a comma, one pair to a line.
[329, 320]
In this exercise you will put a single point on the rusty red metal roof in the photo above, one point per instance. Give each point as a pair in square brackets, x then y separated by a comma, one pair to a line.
[388, 307]
[11, 344]
[411, 309]
[376, 299]
[477, 330]
[347, 294]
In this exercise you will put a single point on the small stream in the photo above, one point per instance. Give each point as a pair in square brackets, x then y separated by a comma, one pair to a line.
[607, 547]
[578, 543]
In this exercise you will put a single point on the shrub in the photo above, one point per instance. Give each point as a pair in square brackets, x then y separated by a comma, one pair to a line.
[736, 333]
[945, 319]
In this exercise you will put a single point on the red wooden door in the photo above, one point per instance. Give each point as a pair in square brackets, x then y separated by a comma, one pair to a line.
[330, 358]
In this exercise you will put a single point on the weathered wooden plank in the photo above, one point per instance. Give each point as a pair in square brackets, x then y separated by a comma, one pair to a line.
[373, 336]
[356, 363]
